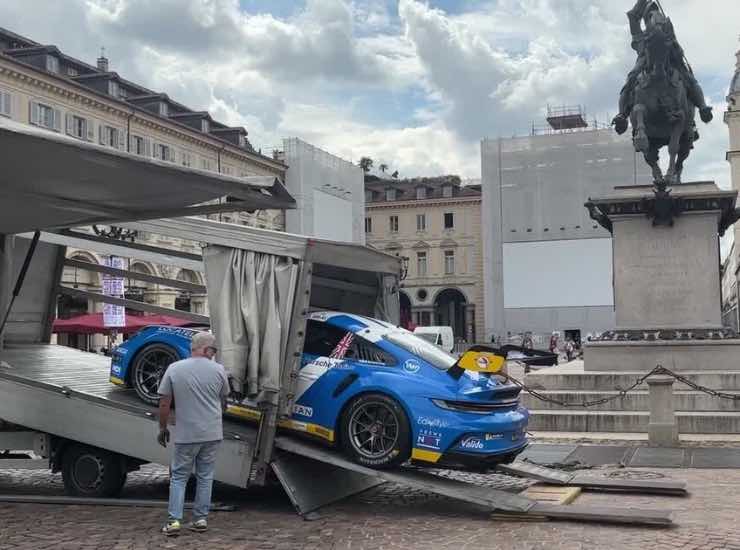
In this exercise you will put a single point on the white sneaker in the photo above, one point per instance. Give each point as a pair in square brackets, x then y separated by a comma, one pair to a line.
[199, 525]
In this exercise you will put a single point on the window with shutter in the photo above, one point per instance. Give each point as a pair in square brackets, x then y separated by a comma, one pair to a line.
[148, 147]
[101, 134]
[5, 104]
[57, 120]
[33, 113]
[69, 121]
[90, 130]
[121, 140]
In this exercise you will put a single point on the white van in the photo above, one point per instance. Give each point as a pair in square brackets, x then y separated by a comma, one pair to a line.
[440, 336]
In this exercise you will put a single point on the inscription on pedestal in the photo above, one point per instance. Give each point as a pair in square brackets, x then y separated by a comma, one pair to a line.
[667, 276]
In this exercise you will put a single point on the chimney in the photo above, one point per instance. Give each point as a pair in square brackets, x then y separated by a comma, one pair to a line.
[102, 61]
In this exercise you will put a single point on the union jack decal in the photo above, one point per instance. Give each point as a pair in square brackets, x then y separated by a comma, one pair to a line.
[342, 347]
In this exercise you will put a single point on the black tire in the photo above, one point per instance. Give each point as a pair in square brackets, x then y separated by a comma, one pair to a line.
[374, 431]
[92, 472]
[147, 370]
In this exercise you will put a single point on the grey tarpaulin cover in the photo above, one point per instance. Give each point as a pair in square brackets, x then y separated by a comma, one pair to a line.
[251, 299]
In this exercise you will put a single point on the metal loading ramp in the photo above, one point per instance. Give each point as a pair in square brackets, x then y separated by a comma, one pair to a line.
[314, 476]
[65, 393]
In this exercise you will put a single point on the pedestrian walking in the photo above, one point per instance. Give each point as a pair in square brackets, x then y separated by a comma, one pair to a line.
[199, 387]
[569, 349]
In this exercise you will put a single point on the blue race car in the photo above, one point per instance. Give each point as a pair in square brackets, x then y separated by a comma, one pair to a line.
[377, 391]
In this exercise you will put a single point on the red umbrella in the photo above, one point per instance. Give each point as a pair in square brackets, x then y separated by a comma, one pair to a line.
[92, 323]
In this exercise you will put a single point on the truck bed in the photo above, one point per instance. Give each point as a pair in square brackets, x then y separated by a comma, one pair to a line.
[66, 392]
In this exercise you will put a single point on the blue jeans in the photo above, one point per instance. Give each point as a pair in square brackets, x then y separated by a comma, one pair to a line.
[203, 455]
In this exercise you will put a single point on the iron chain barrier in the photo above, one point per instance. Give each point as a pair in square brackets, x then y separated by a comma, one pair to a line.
[658, 370]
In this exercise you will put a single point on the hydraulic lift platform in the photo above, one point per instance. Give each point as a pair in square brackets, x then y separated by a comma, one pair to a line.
[59, 394]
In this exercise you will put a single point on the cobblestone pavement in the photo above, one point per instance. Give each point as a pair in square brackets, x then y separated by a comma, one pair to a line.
[386, 517]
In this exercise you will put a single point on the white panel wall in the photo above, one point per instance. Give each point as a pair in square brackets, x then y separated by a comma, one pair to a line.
[335, 217]
[569, 273]
[313, 173]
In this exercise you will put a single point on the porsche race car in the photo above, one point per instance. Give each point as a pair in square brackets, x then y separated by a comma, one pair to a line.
[378, 392]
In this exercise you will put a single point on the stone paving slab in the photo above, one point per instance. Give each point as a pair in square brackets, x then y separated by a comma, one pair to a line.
[633, 456]
[598, 455]
[657, 456]
[715, 458]
[547, 454]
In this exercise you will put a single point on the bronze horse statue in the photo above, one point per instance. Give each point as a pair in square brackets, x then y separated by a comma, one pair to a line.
[662, 114]
[661, 95]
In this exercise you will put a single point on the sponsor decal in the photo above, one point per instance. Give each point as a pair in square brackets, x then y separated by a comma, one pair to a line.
[319, 316]
[431, 422]
[115, 369]
[471, 443]
[429, 439]
[411, 366]
[187, 333]
[329, 364]
[303, 410]
[482, 362]
[492, 437]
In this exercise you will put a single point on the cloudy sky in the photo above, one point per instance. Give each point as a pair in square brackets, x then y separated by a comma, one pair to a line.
[413, 84]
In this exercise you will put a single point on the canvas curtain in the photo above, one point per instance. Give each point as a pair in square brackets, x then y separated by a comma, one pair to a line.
[387, 304]
[250, 295]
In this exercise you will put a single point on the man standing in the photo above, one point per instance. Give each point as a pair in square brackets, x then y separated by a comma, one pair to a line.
[199, 388]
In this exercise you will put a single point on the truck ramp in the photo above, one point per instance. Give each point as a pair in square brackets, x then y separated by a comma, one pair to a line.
[66, 393]
[330, 472]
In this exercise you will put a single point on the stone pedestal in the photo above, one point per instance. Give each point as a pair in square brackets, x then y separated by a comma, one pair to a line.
[662, 428]
[667, 294]
[667, 277]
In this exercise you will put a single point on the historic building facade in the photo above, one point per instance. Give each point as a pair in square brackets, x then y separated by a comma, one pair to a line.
[43, 87]
[435, 224]
[730, 265]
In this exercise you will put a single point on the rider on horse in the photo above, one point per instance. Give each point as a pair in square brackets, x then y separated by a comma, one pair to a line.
[649, 11]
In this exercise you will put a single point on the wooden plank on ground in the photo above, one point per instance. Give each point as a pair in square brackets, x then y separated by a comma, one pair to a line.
[552, 494]
[548, 494]
[649, 486]
[603, 514]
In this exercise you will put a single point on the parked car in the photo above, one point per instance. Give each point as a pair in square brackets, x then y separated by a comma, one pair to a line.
[380, 393]
[439, 336]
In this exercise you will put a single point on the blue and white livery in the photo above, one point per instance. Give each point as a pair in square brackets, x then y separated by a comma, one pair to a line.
[377, 391]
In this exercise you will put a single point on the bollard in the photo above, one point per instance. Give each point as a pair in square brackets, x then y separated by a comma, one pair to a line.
[662, 429]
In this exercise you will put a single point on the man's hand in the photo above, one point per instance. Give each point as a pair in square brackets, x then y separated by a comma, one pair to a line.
[164, 437]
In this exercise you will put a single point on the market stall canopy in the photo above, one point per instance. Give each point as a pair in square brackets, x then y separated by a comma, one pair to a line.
[93, 323]
[51, 180]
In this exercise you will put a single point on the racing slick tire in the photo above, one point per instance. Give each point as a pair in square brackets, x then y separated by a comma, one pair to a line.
[148, 368]
[375, 432]
[91, 472]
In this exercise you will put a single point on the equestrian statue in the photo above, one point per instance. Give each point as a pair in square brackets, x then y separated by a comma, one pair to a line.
[661, 94]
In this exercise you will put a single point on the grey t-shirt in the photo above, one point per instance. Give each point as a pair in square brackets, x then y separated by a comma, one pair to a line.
[198, 386]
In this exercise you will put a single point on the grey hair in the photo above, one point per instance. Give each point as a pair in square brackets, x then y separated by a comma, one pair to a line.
[202, 340]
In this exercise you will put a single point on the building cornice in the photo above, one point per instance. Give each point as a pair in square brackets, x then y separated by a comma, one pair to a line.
[387, 205]
[71, 90]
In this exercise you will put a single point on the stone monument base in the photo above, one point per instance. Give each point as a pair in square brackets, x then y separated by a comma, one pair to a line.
[678, 355]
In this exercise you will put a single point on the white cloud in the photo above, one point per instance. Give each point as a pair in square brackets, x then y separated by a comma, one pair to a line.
[330, 72]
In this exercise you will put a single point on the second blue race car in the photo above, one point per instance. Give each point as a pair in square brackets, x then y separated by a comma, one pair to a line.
[377, 391]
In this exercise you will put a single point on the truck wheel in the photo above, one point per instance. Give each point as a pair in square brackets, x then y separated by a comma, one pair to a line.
[92, 472]
[375, 431]
[148, 368]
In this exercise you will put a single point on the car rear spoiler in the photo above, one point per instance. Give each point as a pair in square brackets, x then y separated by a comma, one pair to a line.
[490, 360]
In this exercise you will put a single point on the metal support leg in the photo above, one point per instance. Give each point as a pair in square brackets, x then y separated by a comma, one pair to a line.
[6, 272]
